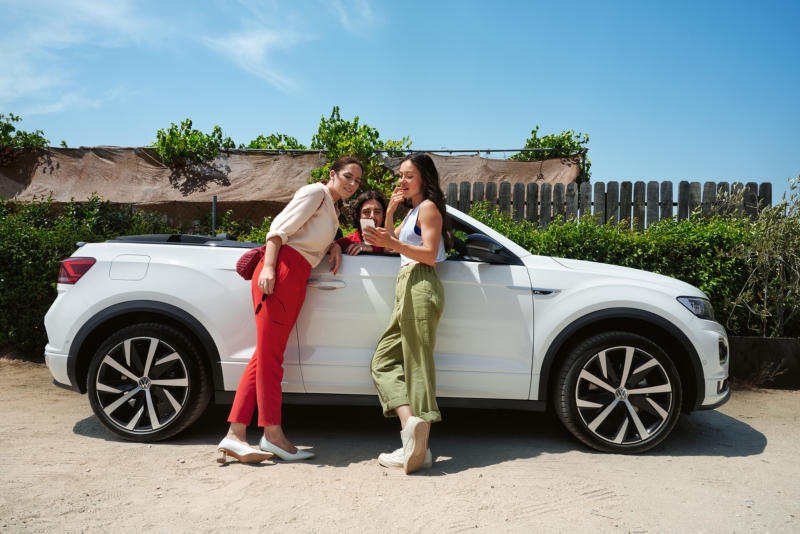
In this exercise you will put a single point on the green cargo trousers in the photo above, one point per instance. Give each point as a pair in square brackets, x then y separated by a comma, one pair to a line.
[403, 368]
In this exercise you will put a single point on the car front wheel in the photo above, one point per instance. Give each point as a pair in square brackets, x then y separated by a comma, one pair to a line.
[618, 392]
[148, 382]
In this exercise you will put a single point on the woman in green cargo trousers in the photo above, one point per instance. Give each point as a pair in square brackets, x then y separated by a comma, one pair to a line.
[403, 368]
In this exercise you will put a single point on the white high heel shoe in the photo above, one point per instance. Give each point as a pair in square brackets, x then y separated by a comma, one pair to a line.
[282, 454]
[241, 452]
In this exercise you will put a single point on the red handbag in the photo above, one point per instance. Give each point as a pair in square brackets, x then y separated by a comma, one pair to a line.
[248, 262]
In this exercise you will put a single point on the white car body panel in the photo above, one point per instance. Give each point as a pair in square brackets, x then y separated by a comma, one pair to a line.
[491, 341]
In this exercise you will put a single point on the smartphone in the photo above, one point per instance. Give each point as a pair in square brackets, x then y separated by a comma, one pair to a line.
[367, 223]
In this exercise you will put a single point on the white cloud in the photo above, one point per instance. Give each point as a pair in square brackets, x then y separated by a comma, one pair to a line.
[76, 101]
[251, 52]
[356, 16]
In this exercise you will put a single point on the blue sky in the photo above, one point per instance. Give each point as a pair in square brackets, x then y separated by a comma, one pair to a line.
[698, 91]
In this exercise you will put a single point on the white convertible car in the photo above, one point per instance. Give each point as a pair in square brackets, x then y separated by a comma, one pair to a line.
[152, 327]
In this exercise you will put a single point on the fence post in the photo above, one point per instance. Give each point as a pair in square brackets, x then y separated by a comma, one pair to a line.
[572, 201]
[545, 195]
[666, 200]
[586, 199]
[477, 192]
[764, 196]
[452, 195]
[751, 200]
[558, 202]
[491, 195]
[736, 205]
[505, 197]
[652, 203]
[638, 205]
[213, 215]
[464, 197]
[683, 200]
[519, 202]
[723, 199]
[694, 196]
[625, 203]
[709, 199]
[599, 203]
[533, 203]
[612, 203]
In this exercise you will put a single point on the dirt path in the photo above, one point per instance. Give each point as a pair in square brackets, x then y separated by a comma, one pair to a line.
[735, 469]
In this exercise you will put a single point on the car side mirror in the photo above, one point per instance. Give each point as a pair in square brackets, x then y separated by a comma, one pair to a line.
[483, 248]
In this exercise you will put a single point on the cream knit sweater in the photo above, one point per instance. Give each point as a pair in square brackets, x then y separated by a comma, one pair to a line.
[308, 223]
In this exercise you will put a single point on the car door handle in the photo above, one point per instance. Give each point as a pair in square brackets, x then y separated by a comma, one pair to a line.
[326, 285]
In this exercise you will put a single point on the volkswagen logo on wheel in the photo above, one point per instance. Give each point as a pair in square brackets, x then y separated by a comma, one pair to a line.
[144, 383]
[621, 393]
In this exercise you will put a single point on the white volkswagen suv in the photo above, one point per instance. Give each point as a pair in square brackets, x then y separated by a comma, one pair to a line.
[152, 326]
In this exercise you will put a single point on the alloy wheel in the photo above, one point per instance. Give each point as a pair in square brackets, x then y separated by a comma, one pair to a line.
[142, 384]
[624, 395]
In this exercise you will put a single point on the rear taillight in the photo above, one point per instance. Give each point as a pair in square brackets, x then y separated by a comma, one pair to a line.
[73, 268]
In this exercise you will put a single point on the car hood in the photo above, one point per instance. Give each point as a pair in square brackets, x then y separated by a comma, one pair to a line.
[626, 272]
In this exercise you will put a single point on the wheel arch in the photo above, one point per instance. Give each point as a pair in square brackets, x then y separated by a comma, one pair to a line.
[646, 324]
[97, 329]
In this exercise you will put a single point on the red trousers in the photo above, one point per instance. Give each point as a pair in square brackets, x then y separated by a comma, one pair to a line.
[275, 318]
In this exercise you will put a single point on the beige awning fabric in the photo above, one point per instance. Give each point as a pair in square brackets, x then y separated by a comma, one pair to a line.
[253, 184]
[137, 175]
[472, 168]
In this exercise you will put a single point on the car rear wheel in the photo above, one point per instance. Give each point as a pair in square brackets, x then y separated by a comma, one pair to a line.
[148, 382]
[618, 392]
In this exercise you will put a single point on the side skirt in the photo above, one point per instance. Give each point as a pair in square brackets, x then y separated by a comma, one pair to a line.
[327, 399]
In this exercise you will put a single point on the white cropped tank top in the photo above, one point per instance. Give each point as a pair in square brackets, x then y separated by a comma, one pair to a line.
[412, 235]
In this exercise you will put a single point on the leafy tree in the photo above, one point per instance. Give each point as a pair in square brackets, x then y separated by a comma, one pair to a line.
[275, 141]
[345, 138]
[179, 145]
[565, 143]
[11, 138]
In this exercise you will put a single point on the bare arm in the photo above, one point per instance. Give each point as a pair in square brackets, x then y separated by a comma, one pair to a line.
[388, 223]
[430, 222]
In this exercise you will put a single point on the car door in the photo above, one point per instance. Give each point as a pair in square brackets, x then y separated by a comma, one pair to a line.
[484, 341]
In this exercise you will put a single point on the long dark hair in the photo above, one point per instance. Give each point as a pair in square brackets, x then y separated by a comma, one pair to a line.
[355, 208]
[431, 191]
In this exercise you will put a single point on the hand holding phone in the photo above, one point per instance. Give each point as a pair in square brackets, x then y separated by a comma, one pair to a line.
[367, 223]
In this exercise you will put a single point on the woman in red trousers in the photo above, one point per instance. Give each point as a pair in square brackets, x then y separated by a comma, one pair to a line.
[298, 240]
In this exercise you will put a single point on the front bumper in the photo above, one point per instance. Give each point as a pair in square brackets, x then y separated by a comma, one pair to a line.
[715, 391]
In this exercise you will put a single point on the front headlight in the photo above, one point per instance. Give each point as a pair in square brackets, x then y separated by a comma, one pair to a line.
[700, 307]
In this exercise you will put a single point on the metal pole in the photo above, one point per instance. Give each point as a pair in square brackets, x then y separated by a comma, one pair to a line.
[214, 215]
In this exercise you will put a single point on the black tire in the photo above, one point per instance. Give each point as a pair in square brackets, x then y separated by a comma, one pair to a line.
[174, 391]
[611, 416]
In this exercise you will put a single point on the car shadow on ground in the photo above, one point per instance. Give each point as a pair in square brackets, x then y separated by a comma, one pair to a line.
[465, 439]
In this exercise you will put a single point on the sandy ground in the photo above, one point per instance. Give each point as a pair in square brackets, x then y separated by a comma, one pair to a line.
[732, 470]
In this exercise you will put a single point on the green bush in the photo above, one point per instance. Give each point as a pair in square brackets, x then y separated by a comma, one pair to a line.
[275, 141]
[179, 145]
[344, 138]
[12, 139]
[565, 143]
[34, 238]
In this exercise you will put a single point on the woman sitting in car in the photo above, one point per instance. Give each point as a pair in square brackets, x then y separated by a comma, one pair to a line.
[369, 205]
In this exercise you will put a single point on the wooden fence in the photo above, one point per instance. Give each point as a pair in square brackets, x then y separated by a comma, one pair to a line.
[626, 203]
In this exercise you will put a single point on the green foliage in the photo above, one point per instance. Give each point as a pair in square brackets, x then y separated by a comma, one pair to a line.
[179, 145]
[566, 143]
[34, 238]
[770, 252]
[345, 138]
[11, 138]
[275, 141]
[64, 144]
[711, 254]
